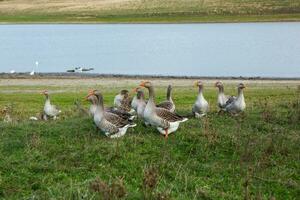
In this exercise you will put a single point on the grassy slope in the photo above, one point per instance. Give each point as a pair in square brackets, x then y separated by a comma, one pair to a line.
[149, 11]
[218, 157]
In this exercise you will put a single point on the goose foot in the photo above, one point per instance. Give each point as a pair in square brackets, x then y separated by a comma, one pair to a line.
[221, 112]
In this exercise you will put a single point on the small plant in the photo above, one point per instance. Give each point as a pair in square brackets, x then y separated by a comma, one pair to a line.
[100, 187]
[116, 190]
[209, 132]
[267, 113]
[150, 181]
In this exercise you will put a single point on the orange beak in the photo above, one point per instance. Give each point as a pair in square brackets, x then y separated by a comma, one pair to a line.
[91, 92]
[135, 89]
[142, 84]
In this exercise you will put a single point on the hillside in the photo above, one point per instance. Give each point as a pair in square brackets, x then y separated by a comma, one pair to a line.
[148, 11]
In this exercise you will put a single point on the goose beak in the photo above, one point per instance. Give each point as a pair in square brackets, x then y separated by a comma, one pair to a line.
[91, 92]
[87, 97]
[142, 84]
[134, 90]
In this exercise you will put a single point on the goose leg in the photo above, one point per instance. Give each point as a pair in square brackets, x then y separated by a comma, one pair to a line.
[166, 134]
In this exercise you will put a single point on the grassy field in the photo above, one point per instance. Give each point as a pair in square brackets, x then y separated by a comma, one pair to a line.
[150, 11]
[253, 156]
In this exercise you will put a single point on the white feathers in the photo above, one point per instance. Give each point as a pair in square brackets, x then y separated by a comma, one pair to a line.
[122, 131]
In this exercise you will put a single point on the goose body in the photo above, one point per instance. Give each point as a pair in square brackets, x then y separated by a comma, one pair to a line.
[111, 124]
[122, 102]
[49, 109]
[237, 104]
[141, 104]
[117, 100]
[222, 98]
[168, 103]
[201, 106]
[165, 121]
[134, 103]
[108, 111]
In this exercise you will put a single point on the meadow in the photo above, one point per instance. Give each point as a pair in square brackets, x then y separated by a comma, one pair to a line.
[151, 11]
[251, 156]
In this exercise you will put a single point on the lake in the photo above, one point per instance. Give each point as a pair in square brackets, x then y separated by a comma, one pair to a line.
[231, 49]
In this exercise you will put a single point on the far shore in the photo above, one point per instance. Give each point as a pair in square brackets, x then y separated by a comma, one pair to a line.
[158, 11]
[65, 75]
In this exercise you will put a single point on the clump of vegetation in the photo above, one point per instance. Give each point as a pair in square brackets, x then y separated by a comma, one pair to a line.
[116, 190]
[150, 181]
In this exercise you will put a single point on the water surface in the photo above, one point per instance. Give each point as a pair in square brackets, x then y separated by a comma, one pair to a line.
[239, 49]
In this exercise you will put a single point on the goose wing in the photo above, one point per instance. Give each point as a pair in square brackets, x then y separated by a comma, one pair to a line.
[120, 113]
[55, 109]
[167, 115]
[166, 105]
[230, 100]
[116, 120]
[125, 104]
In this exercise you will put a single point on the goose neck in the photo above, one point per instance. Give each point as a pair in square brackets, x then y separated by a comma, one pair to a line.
[240, 93]
[151, 94]
[221, 89]
[169, 93]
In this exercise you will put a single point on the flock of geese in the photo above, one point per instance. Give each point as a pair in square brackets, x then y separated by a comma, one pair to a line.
[114, 121]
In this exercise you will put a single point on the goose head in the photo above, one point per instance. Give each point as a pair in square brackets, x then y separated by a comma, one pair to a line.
[240, 86]
[146, 84]
[198, 84]
[124, 93]
[97, 99]
[91, 97]
[46, 93]
[149, 86]
[220, 86]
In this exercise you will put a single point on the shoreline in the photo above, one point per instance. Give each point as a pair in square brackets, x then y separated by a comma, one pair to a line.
[141, 19]
[66, 75]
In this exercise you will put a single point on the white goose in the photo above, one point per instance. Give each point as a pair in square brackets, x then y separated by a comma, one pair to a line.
[141, 105]
[112, 125]
[200, 107]
[49, 109]
[222, 98]
[236, 105]
[93, 107]
[134, 102]
[165, 121]
[168, 103]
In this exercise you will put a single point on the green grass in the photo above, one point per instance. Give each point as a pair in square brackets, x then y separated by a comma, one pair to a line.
[164, 18]
[155, 11]
[255, 155]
